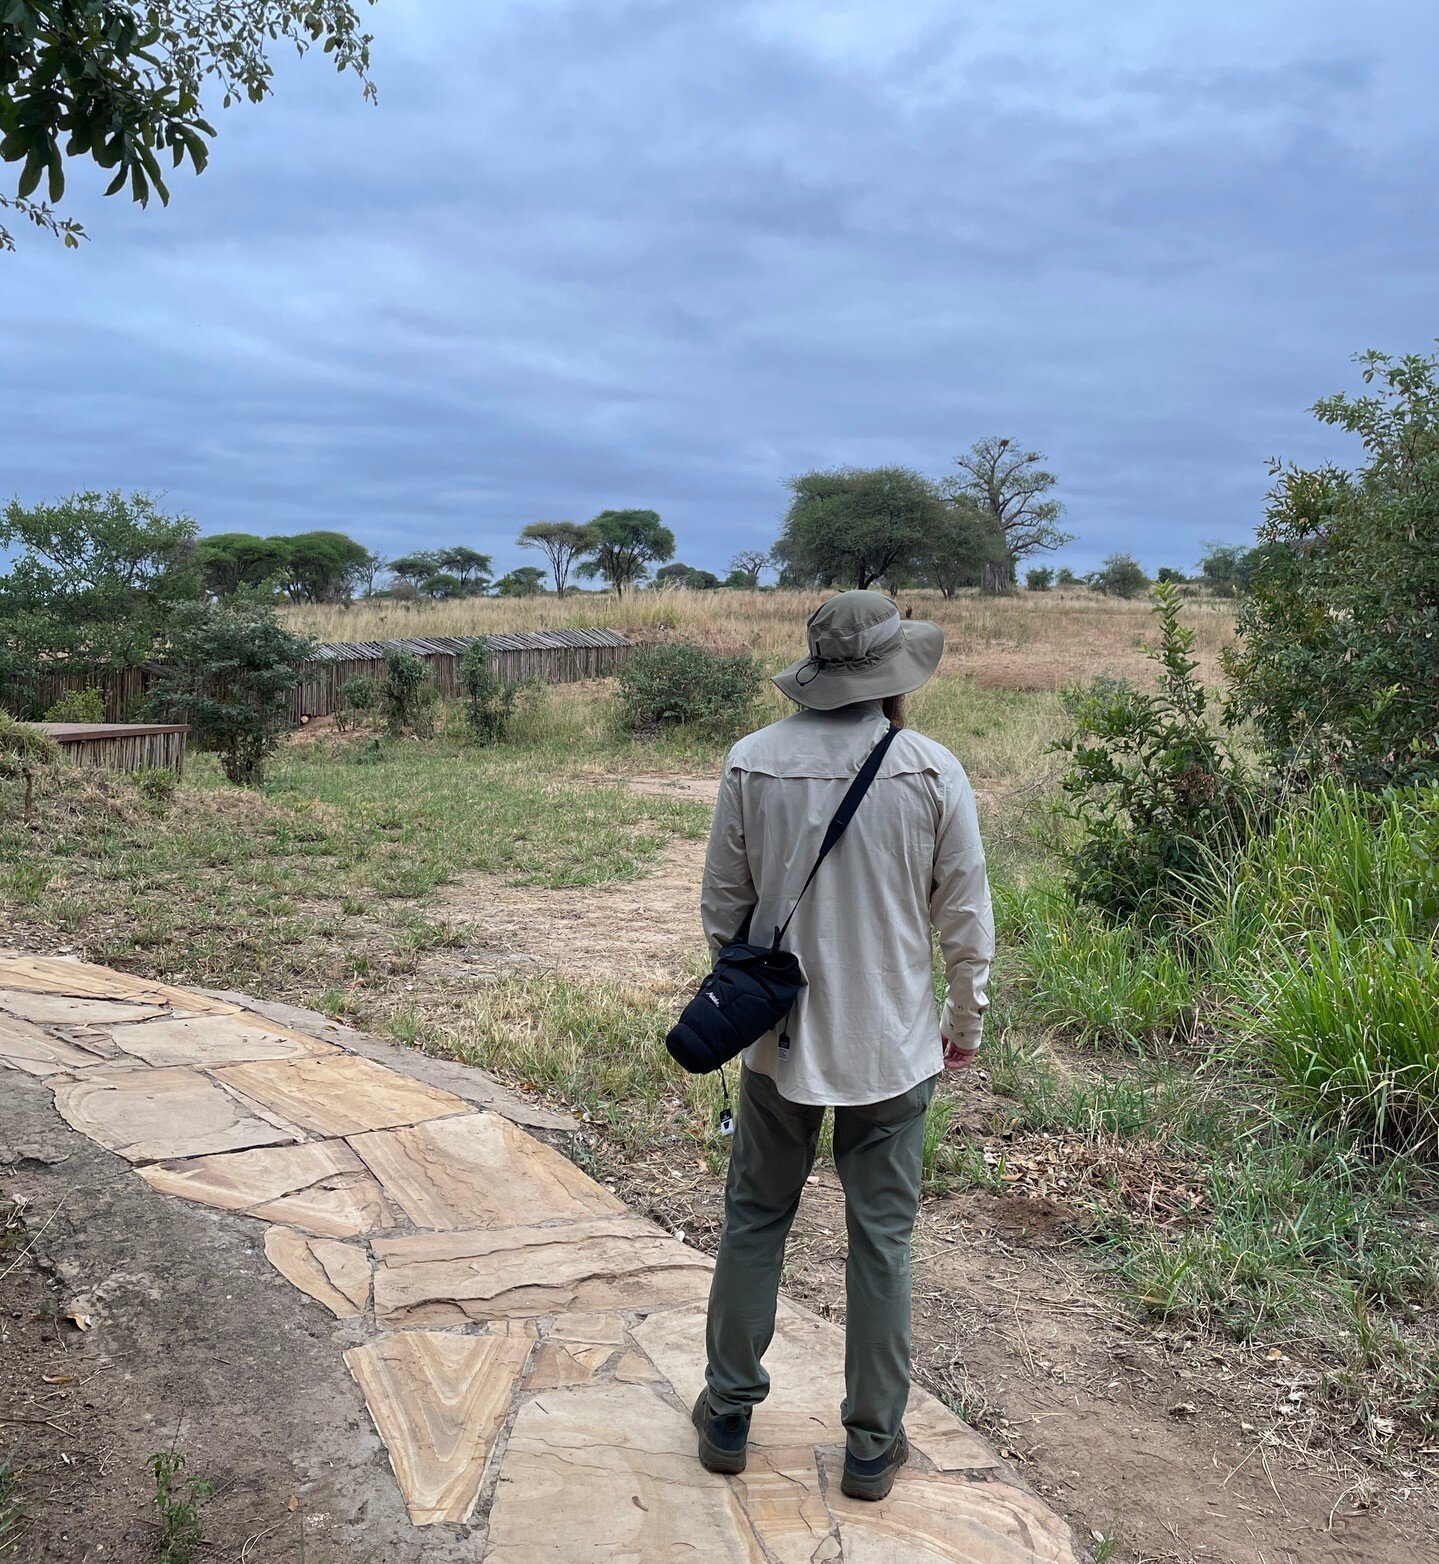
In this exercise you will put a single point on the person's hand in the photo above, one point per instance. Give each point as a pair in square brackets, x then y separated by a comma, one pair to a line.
[957, 1058]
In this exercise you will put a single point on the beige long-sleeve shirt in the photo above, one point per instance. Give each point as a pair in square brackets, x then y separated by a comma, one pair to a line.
[867, 1027]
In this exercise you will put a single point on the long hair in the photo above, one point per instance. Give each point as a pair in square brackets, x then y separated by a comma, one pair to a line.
[894, 710]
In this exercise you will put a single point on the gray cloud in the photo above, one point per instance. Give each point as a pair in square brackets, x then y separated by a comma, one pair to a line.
[667, 252]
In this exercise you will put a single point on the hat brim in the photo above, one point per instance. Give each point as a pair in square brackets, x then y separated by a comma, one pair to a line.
[922, 645]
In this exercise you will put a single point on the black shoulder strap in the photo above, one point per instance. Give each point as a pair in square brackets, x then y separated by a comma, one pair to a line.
[842, 817]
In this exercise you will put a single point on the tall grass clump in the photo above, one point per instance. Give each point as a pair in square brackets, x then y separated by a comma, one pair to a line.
[1324, 929]
[1097, 981]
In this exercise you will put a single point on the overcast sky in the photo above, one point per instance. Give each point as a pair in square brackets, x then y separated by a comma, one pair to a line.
[665, 253]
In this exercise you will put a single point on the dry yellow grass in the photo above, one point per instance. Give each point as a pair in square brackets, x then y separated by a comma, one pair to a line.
[1033, 641]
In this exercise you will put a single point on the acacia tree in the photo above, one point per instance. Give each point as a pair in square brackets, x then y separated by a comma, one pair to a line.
[562, 543]
[95, 581]
[323, 566]
[468, 566]
[416, 567]
[1012, 489]
[625, 544]
[857, 525]
[954, 551]
[120, 83]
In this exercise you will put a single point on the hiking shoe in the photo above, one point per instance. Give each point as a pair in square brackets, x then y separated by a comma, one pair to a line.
[722, 1439]
[873, 1479]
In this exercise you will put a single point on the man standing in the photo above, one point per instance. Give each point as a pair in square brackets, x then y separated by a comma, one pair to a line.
[865, 1038]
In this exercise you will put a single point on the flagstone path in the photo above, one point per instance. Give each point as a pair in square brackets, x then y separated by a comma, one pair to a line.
[530, 1348]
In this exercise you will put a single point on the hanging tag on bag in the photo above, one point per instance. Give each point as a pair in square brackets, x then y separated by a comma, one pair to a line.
[726, 1122]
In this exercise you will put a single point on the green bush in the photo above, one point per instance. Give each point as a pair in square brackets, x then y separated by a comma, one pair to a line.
[409, 696]
[489, 701]
[1338, 658]
[681, 682]
[78, 706]
[1120, 576]
[1151, 787]
[231, 675]
[360, 697]
[1040, 579]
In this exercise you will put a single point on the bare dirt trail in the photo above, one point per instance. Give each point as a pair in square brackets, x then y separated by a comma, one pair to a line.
[642, 933]
[1183, 1450]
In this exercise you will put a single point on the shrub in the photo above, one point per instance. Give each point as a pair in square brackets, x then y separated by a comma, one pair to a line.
[1119, 576]
[360, 697]
[409, 696]
[25, 753]
[156, 783]
[1152, 789]
[1338, 658]
[1065, 577]
[78, 706]
[681, 682]
[489, 701]
[231, 675]
[1040, 579]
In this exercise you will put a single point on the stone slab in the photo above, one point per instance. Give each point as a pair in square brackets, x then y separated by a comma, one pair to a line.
[62, 1010]
[25, 1046]
[806, 1367]
[618, 1262]
[332, 1273]
[939, 1520]
[785, 1505]
[320, 1186]
[150, 1115]
[339, 1094]
[606, 1329]
[479, 1170]
[566, 1363]
[212, 1040]
[438, 1400]
[609, 1472]
[83, 980]
[464, 1080]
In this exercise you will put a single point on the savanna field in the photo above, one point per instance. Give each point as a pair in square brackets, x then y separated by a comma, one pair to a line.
[1179, 1253]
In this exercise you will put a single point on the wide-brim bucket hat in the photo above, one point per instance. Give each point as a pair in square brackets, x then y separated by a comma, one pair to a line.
[860, 649]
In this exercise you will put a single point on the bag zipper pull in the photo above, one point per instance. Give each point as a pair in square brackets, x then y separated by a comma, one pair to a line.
[726, 1118]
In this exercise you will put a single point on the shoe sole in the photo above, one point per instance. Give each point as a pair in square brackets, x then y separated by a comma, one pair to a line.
[728, 1463]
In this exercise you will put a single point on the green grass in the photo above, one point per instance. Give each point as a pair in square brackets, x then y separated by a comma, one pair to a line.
[284, 890]
[12, 1506]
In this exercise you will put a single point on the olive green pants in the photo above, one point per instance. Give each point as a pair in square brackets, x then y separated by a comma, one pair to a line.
[878, 1154]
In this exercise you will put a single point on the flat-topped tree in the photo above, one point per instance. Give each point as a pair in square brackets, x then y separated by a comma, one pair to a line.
[625, 544]
[855, 526]
[562, 543]
[122, 84]
[468, 566]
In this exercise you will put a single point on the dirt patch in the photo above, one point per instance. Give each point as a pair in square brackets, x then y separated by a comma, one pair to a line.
[642, 933]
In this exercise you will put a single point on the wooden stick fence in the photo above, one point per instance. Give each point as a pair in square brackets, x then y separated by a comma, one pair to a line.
[551, 656]
[121, 746]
